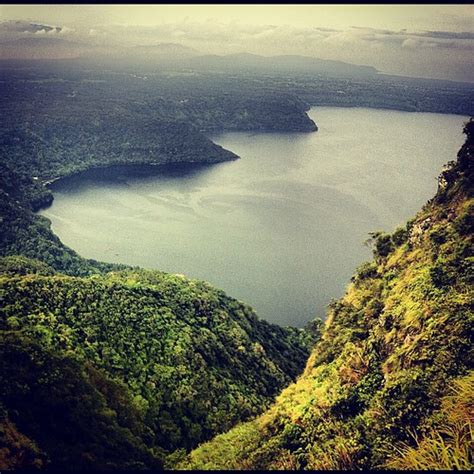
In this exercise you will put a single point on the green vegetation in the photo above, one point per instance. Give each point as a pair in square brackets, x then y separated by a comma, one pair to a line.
[392, 372]
[52, 146]
[447, 445]
[58, 412]
[189, 360]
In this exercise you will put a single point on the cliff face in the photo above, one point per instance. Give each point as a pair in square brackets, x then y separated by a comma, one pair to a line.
[390, 382]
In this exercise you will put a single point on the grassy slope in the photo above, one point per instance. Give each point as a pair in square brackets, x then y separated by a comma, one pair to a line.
[393, 350]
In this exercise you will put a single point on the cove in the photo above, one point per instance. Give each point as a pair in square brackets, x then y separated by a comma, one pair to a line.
[281, 229]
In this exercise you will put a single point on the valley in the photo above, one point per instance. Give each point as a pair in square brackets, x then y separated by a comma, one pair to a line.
[119, 195]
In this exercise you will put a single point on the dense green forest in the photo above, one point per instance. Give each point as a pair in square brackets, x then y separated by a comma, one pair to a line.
[185, 360]
[390, 383]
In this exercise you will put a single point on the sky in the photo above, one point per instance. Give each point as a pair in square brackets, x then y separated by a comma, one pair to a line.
[417, 40]
[430, 17]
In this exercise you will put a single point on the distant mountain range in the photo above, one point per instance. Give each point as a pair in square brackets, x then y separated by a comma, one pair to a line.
[23, 40]
[165, 49]
[283, 63]
[173, 56]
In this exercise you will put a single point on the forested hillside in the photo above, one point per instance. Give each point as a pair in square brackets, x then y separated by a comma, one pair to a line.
[185, 360]
[390, 383]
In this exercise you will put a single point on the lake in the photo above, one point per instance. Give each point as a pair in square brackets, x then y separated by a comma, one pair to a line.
[281, 229]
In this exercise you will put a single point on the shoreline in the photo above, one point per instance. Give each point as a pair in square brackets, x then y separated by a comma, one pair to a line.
[113, 170]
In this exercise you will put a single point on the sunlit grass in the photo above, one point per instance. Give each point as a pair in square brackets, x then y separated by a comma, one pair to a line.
[450, 446]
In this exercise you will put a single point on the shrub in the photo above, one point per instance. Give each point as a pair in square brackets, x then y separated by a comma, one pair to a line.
[381, 244]
[400, 236]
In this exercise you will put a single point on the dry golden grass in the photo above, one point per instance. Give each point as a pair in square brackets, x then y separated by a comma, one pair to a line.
[449, 447]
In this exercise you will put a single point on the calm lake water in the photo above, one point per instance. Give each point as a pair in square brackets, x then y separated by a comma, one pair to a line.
[281, 229]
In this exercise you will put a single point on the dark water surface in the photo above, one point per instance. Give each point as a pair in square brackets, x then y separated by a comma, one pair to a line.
[283, 227]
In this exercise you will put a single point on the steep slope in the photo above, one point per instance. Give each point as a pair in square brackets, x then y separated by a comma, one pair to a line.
[395, 354]
[190, 360]
[28, 234]
[57, 411]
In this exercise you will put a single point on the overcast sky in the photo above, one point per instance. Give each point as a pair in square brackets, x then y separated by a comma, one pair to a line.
[420, 40]
[429, 17]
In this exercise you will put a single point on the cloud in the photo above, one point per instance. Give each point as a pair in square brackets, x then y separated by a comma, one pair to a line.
[65, 30]
[405, 38]
[213, 35]
[450, 35]
[47, 31]
[411, 43]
